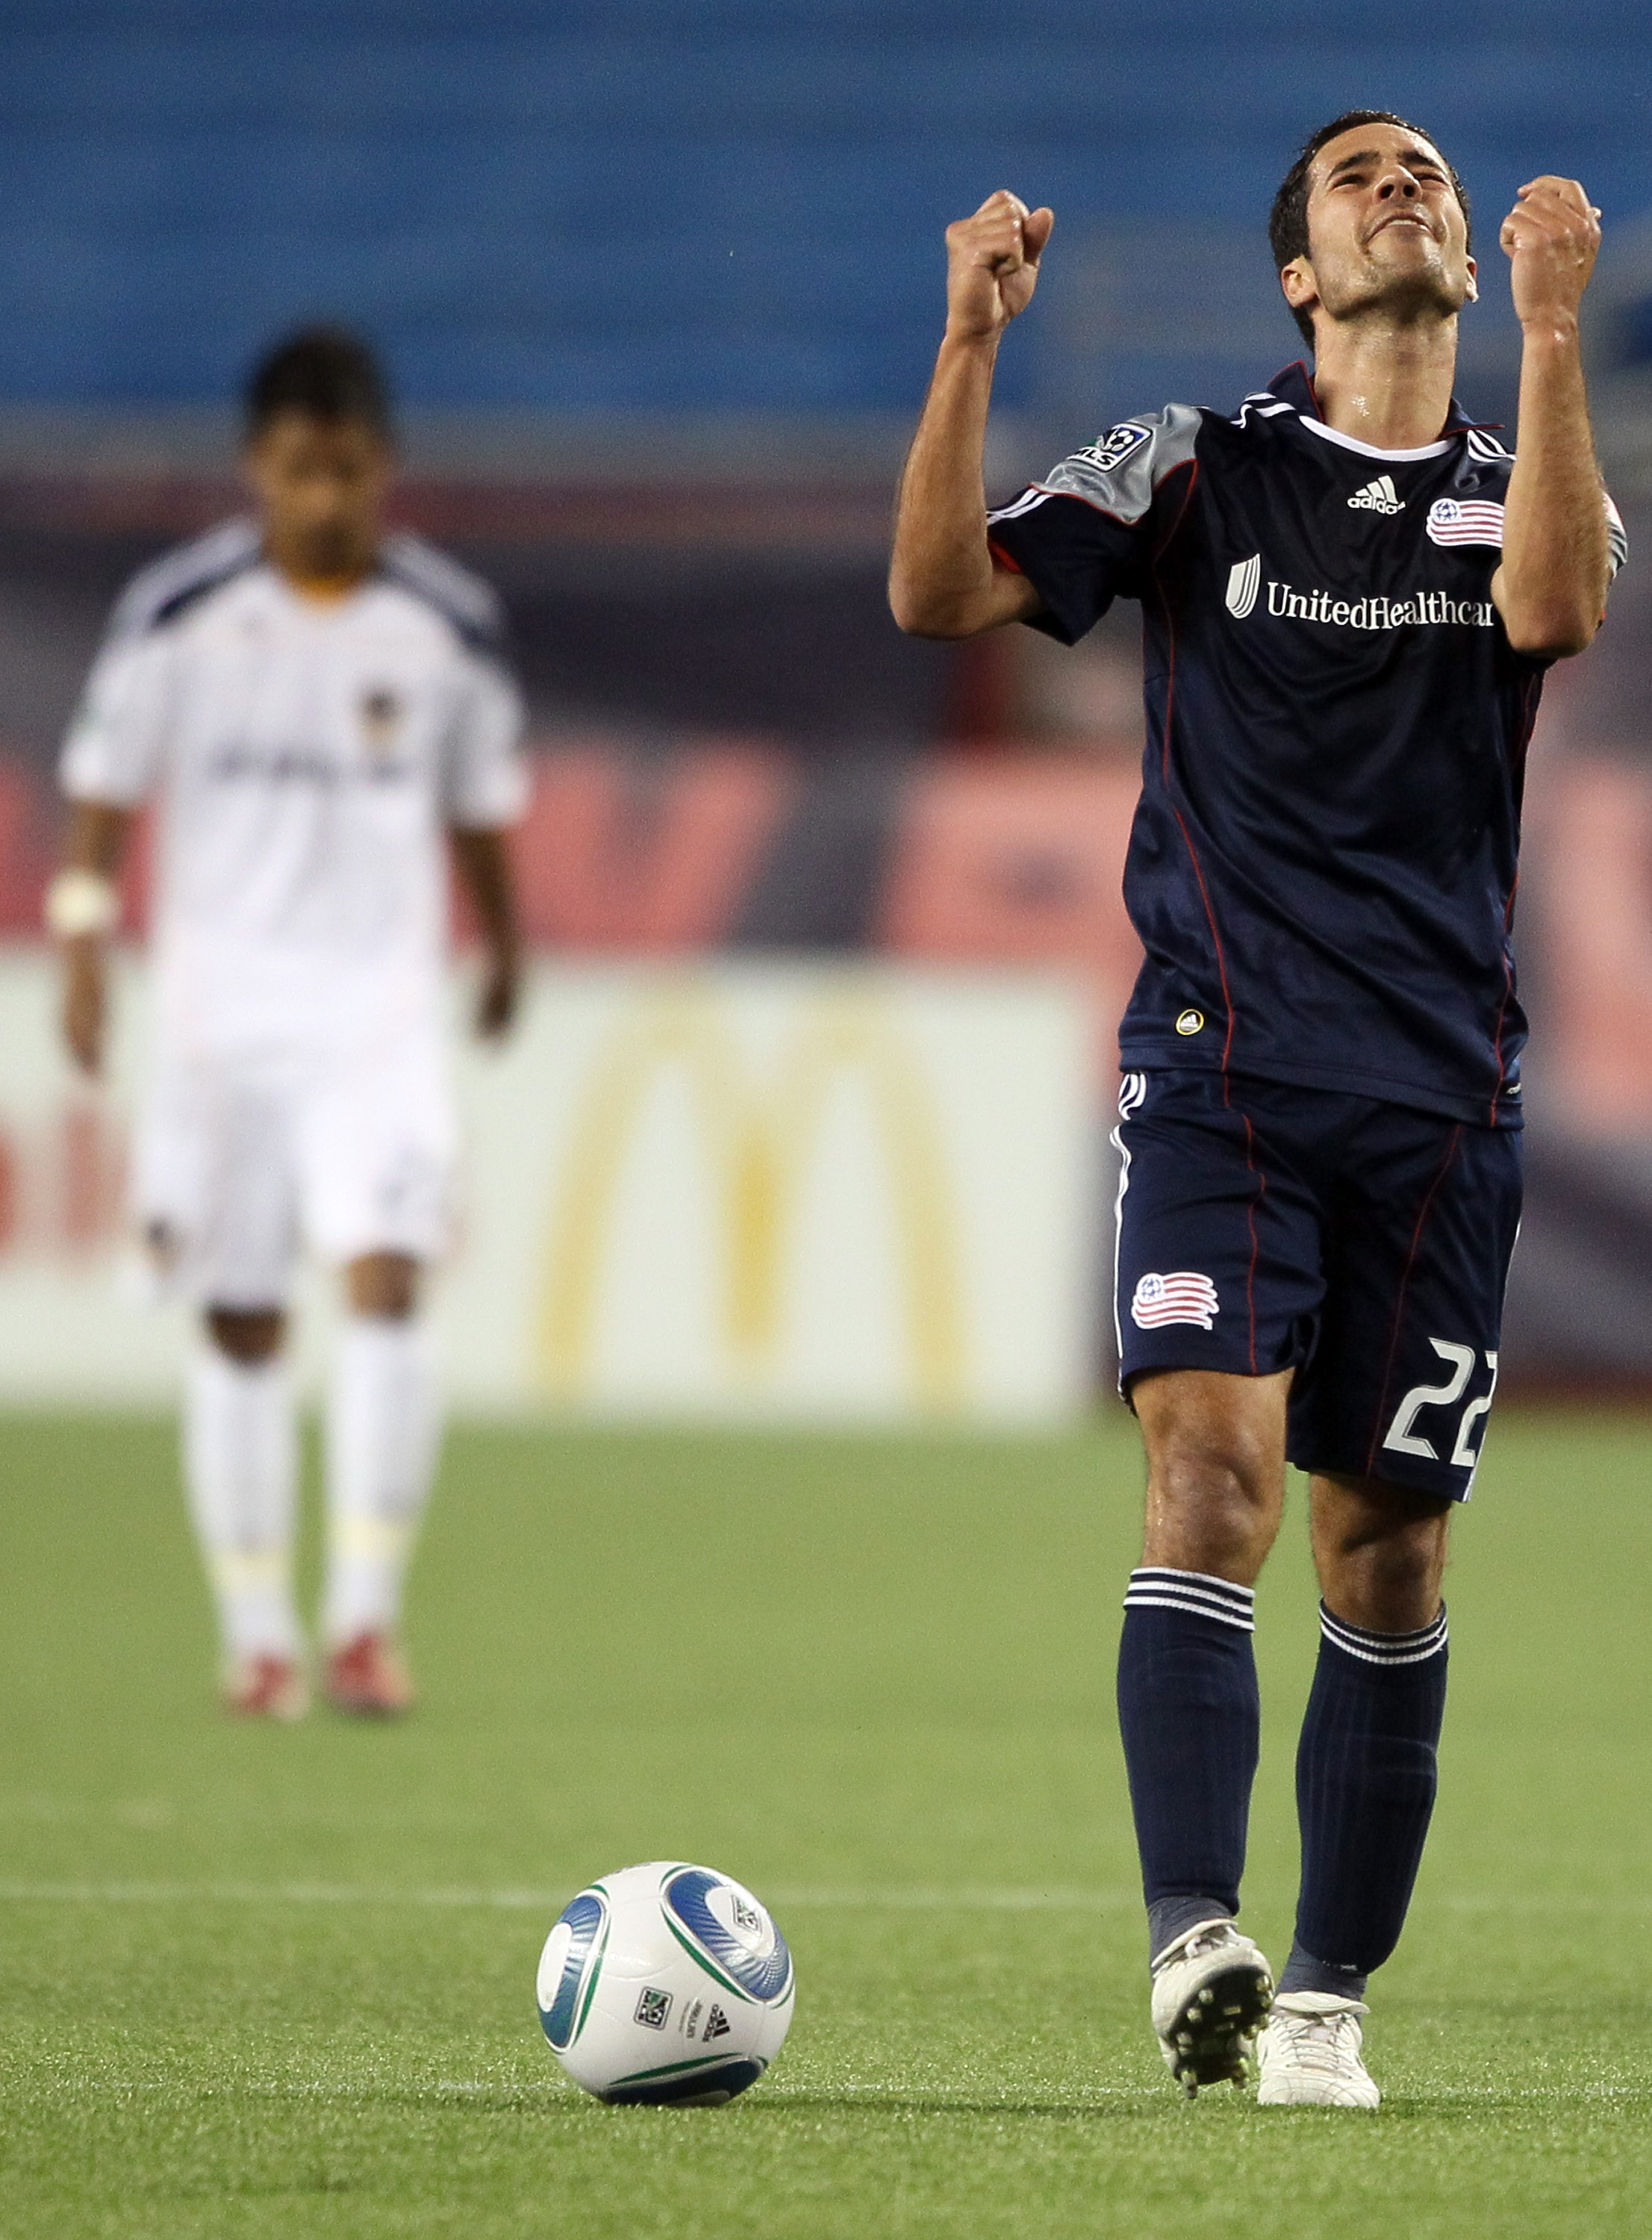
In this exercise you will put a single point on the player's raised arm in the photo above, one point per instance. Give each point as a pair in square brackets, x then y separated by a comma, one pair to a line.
[81, 908]
[1550, 588]
[943, 582]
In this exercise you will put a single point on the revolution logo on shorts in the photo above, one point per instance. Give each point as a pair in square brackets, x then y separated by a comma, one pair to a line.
[1185, 1296]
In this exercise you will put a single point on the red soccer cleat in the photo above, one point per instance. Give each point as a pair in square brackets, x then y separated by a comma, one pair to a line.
[266, 1688]
[368, 1678]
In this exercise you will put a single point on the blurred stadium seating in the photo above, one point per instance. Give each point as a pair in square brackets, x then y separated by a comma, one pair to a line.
[660, 285]
[650, 207]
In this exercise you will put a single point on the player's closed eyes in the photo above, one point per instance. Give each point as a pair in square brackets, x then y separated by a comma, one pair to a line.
[1426, 175]
[1363, 179]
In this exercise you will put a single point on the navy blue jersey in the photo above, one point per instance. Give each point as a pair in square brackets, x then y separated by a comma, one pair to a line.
[1323, 865]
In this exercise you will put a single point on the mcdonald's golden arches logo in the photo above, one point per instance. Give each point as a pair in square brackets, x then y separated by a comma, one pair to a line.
[760, 1139]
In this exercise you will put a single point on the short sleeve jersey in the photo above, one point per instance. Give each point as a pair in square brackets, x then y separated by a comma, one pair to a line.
[304, 760]
[1323, 865]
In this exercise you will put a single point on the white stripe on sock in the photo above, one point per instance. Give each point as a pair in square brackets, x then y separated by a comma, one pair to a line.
[1384, 1647]
[1191, 1610]
[1199, 1594]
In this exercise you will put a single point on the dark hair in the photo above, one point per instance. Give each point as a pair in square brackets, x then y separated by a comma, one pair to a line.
[1288, 220]
[325, 371]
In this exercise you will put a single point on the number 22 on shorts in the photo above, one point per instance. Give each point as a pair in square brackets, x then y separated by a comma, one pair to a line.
[1403, 1440]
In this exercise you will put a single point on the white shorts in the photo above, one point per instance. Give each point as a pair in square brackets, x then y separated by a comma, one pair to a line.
[241, 1159]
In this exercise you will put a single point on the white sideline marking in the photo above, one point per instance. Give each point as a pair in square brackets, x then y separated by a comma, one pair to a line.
[960, 1901]
[783, 1900]
[534, 1901]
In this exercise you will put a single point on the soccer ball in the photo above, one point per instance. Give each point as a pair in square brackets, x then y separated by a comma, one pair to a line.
[665, 1985]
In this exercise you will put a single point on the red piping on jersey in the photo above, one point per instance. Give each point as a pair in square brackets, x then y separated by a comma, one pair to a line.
[1507, 994]
[1532, 690]
[1255, 1247]
[1169, 718]
[1008, 560]
[1124, 520]
[1423, 1211]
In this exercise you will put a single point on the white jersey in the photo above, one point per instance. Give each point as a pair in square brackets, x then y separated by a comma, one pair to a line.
[305, 760]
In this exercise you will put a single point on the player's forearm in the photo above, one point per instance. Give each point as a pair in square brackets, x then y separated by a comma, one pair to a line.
[483, 861]
[81, 910]
[942, 579]
[96, 839]
[81, 905]
[1552, 585]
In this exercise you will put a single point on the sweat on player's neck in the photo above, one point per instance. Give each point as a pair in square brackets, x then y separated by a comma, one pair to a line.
[1387, 384]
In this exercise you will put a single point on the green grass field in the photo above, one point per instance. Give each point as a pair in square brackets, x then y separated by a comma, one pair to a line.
[279, 1981]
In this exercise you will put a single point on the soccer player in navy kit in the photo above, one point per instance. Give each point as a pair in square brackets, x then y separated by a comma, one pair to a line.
[1351, 595]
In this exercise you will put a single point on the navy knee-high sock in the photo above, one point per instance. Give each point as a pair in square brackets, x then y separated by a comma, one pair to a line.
[1189, 1714]
[1366, 1775]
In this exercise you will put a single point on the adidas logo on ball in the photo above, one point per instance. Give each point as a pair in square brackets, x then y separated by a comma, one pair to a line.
[1379, 496]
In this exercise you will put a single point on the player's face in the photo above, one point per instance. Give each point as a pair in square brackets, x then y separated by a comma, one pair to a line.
[1385, 230]
[320, 486]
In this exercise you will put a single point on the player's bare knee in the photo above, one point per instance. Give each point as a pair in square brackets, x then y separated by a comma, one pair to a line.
[250, 1335]
[1381, 1554]
[1212, 1508]
[1216, 1472]
[1208, 1520]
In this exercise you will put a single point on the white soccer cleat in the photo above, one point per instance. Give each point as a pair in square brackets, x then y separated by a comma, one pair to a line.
[1211, 1991]
[1309, 2054]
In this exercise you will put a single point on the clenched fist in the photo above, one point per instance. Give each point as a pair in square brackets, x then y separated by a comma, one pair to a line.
[992, 265]
[1551, 237]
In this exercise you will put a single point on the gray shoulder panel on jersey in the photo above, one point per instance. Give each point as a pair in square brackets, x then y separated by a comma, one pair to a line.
[1121, 472]
[470, 605]
[169, 586]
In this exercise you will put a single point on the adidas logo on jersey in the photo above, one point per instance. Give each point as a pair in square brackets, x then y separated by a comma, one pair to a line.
[1379, 496]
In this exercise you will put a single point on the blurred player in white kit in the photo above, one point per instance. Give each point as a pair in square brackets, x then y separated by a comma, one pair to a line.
[312, 704]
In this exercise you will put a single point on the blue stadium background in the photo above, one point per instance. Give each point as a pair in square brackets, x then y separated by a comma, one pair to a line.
[659, 208]
[660, 285]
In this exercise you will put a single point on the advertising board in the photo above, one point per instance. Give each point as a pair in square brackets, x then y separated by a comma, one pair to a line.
[732, 1192]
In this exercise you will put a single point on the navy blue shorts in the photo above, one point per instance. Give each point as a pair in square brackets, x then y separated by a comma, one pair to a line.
[1365, 1245]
